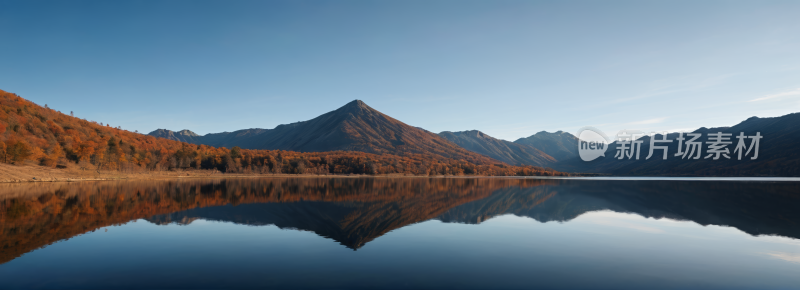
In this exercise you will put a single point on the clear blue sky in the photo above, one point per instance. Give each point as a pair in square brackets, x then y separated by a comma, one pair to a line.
[508, 68]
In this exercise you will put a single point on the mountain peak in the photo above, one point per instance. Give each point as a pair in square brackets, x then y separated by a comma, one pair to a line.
[357, 108]
[182, 135]
[357, 104]
[476, 133]
[187, 132]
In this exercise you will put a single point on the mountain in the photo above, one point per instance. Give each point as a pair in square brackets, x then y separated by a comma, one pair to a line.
[508, 152]
[777, 153]
[560, 145]
[181, 136]
[353, 127]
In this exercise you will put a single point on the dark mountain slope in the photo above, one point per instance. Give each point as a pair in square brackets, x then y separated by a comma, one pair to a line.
[560, 145]
[244, 137]
[508, 152]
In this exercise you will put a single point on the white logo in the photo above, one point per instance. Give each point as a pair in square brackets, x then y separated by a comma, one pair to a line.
[592, 143]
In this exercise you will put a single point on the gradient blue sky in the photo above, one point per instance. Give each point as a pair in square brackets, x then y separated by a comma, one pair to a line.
[507, 68]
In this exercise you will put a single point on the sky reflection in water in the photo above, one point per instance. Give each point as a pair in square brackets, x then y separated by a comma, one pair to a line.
[594, 235]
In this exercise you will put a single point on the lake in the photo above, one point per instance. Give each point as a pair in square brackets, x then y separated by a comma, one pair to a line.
[401, 233]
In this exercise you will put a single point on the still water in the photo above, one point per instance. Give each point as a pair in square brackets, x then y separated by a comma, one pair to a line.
[405, 233]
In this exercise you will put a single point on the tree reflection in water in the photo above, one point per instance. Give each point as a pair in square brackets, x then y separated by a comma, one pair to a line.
[355, 211]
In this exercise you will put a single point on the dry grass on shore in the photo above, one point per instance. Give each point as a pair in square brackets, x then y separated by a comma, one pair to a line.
[29, 172]
[34, 173]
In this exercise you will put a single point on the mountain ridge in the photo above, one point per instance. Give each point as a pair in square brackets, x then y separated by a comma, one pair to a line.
[508, 152]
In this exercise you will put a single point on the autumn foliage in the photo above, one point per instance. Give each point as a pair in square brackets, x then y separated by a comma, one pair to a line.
[29, 132]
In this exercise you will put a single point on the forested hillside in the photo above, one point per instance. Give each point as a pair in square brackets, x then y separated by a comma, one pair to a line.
[30, 133]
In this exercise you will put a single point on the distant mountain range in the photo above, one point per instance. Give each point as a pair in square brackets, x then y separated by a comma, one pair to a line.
[508, 152]
[358, 127]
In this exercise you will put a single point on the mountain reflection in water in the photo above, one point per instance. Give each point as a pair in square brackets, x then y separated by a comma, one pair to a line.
[356, 211]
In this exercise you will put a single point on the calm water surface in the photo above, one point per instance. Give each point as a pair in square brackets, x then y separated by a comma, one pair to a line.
[412, 233]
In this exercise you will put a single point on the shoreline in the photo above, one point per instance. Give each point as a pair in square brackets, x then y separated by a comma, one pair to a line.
[38, 174]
